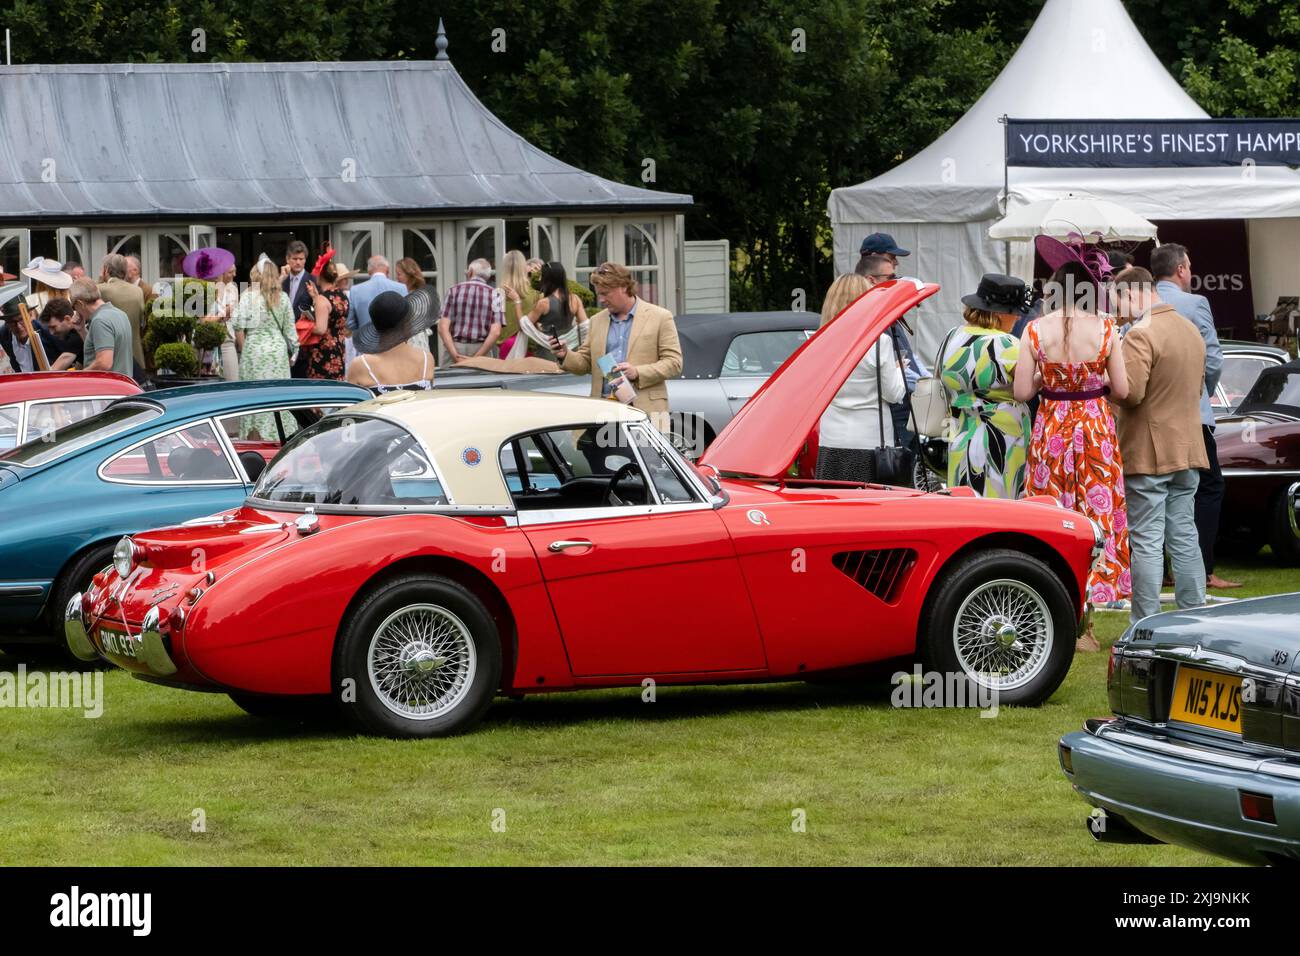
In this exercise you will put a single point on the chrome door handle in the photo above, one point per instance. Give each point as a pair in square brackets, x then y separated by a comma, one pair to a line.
[558, 546]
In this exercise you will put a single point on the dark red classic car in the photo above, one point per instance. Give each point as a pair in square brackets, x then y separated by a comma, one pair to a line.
[1259, 452]
[417, 554]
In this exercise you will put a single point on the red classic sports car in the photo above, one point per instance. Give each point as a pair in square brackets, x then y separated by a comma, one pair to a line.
[419, 553]
[36, 403]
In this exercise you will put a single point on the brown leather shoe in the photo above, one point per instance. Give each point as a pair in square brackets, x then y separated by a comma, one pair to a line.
[1216, 582]
[1087, 642]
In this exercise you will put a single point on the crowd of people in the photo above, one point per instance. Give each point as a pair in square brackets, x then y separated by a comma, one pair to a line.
[1093, 392]
[384, 332]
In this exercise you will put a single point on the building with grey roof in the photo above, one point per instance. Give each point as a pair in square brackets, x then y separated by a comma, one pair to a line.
[397, 158]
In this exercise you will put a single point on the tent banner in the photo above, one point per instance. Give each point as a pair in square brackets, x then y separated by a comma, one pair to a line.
[1142, 144]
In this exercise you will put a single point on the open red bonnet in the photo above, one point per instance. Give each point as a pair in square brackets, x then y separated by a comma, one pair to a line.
[768, 432]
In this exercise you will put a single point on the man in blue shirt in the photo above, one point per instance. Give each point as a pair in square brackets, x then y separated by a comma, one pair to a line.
[1172, 268]
[363, 293]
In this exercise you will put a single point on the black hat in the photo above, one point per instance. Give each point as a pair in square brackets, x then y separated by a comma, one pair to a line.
[10, 296]
[1004, 295]
[882, 244]
[393, 320]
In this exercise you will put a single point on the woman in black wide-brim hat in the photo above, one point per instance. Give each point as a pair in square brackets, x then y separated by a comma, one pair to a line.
[988, 443]
[386, 361]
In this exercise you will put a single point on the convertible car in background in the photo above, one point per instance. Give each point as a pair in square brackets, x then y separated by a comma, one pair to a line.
[725, 358]
[38, 403]
[1204, 747]
[462, 546]
[1259, 452]
[1242, 364]
[144, 460]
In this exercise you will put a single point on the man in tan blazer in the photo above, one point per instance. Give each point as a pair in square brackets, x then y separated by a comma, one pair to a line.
[639, 336]
[116, 290]
[1160, 440]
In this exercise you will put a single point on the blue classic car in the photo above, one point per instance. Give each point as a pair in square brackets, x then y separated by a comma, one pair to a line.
[1204, 750]
[143, 462]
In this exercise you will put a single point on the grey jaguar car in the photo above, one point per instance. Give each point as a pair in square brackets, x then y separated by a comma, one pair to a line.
[1203, 749]
[725, 359]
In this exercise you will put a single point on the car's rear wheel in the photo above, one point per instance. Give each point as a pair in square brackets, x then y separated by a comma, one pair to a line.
[1285, 531]
[1005, 621]
[421, 656]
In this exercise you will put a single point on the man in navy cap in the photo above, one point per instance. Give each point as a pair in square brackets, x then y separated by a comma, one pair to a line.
[883, 244]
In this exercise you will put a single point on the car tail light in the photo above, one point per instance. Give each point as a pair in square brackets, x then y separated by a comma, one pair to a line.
[1067, 758]
[1257, 806]
[1110, 665]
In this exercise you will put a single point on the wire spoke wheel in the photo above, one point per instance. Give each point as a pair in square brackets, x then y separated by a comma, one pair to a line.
[1003, 634]
[421, 661]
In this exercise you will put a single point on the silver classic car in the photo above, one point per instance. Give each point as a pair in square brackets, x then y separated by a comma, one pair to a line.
[725, 359]
[1204, 747]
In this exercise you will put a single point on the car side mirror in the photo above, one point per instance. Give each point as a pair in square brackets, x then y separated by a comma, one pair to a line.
[715, 479]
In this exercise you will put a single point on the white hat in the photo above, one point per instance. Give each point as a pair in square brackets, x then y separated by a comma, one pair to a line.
[48, 271]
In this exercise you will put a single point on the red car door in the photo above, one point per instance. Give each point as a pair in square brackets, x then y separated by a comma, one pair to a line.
[648, 594]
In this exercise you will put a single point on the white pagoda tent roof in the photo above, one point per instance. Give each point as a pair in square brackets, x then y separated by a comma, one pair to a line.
[1083, 59]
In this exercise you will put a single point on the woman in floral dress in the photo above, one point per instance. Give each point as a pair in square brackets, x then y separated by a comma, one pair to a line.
[1070, 358]
[267, 339]
[326, 358]
[988, 447]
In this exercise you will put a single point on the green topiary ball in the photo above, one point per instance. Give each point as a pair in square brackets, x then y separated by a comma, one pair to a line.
[209, 335]
[171, 328]
[177, 357]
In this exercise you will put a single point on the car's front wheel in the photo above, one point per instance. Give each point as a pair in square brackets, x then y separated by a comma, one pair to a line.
[420, 656]
[1005, 621]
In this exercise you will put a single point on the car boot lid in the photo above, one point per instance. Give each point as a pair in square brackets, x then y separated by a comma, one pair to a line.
[1261, 631]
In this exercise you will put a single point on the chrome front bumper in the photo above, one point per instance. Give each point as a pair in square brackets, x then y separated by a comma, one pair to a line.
[74, 631]
[150, 647]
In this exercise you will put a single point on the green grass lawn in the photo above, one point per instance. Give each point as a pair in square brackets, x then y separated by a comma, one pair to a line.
[701, 776]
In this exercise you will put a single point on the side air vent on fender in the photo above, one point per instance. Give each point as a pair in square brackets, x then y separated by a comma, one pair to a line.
[883, 573]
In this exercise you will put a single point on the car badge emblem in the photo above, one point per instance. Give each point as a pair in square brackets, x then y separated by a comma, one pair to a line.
[756, 517]
[471, 456]
[1068, 525]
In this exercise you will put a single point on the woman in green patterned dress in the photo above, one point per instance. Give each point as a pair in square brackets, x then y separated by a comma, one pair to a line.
[988, 441]
[267, 339]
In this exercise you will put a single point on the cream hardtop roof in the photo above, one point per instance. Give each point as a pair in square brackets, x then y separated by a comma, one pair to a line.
[464, 430]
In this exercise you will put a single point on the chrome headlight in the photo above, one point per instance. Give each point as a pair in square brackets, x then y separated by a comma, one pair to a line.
[124, 556]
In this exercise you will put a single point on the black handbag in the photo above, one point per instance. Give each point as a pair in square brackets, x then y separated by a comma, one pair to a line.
[894, 465]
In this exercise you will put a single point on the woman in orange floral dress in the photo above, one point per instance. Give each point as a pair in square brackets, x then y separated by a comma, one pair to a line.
[1070, 358]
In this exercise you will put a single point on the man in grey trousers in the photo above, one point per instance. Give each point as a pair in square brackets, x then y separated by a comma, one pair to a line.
[1160, 440]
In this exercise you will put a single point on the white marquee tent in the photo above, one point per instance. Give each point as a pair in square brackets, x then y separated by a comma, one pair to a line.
[1083, 59]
